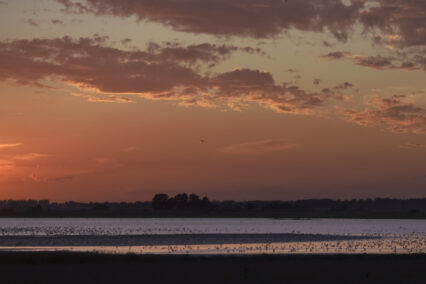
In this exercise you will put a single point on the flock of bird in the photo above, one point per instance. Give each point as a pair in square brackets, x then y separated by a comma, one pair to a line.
[410, 244]
[400, 245]
[407, 243]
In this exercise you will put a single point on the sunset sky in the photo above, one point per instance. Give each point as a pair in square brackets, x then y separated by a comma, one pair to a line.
[235, 99]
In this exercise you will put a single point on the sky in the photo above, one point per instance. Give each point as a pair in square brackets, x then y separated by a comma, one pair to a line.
[116, 100]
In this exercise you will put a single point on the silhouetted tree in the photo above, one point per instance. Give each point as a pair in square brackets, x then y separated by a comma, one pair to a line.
[101, 206]
[160, 200]
[205, 203]
[180, 201]
[193, 198]
[194, 202]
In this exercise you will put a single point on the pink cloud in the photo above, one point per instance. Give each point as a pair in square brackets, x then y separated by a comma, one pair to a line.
[10, 145]
[392, 114]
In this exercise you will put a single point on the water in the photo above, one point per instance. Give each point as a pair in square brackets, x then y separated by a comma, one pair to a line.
[159, 226]
[372, 236]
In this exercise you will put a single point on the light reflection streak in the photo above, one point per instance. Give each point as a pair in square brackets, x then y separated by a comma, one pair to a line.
[406, 245]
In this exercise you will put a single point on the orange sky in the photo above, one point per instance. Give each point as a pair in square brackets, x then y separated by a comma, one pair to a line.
[118, 100]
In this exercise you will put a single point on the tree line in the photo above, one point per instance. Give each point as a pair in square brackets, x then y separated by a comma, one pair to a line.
[180, 202]
[192, 205]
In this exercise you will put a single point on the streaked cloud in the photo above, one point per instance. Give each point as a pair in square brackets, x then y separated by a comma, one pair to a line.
[20, 165]
[249, 148]
[412, 145]
[392, 114]
[129, 149]
[11, 145]
[29, 156]
[109, 99]
[61, 178]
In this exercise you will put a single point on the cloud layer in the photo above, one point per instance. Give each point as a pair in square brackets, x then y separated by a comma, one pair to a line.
[403, 20]
[396, 24]
[169, 72]
[253, 18]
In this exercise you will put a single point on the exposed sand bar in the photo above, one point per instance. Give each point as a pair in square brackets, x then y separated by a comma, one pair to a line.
[150, 240]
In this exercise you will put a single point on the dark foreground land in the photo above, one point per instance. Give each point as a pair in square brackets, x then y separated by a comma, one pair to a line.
[62, 267]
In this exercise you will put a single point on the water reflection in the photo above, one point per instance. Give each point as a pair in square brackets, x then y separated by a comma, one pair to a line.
[401, 245]
[214, 235]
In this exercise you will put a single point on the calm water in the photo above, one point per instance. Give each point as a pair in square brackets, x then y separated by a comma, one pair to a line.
[154, 226]
[385, 236]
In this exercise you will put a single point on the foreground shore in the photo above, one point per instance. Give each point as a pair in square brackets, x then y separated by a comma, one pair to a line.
[65, 267]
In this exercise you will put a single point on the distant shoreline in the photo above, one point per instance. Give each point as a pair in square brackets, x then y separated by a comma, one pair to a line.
[192, 206]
